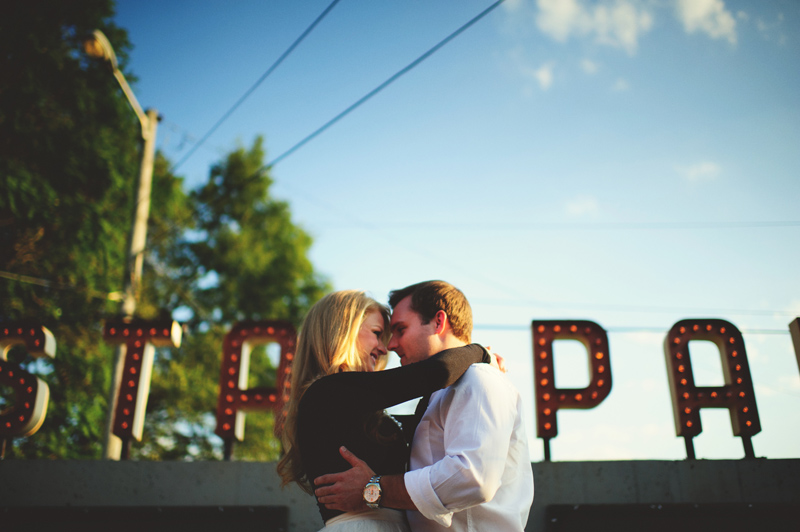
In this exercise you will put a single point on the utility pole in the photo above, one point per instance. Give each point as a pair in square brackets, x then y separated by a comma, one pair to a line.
[99, 47]
[112, 445]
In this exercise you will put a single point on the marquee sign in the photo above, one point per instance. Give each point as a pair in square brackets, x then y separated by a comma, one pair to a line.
[794, 329]
[550, 399]
[27, 413]
[139, 338]
[736, 395]
[235, 399]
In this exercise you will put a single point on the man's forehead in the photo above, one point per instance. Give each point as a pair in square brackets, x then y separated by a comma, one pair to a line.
[398, 317]
[402, 313]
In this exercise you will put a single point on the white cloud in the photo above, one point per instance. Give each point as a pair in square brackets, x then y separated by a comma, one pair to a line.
[620, 85]
[543, 75]
[794, 308]
[512, 5]
[702, 171]
[581, 206]
[561, 18]
[709, 17]
[772, 31]
[617, 23]
[589, 66]
[790, 383]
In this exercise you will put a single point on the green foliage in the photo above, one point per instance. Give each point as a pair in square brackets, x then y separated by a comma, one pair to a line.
[68, 149]
[69, 155]
[246, 260]
[249, 241]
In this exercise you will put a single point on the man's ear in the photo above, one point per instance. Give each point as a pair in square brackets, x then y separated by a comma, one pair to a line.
[440, 322]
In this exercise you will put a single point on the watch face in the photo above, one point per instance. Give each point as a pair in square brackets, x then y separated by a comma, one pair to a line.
[372, 493]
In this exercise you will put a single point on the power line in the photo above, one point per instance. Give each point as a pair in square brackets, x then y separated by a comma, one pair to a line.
[431, 51]
[581, 226]
[622, 330]
[497, 327]
[534, 226]
[25, 279]
[652, 309]
[185, 138]
[385, 84]
[256, 84]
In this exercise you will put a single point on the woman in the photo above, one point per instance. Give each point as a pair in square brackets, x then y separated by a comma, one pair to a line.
[338, 394]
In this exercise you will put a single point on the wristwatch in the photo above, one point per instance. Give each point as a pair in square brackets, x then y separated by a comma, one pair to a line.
[372, 492]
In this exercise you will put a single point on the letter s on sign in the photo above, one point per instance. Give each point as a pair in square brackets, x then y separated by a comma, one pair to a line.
[31, 393]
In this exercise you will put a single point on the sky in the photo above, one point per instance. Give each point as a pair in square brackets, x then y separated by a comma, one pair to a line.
[628, 162]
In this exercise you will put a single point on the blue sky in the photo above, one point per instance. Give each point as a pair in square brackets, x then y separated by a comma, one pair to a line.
[630, 162]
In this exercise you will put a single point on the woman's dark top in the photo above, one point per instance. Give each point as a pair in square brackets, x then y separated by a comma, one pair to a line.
[342, 409]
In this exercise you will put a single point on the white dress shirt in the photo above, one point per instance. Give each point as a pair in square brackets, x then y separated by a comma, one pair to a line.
[470, 467]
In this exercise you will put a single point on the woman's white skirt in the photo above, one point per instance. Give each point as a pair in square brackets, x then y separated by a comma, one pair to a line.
[380, 520]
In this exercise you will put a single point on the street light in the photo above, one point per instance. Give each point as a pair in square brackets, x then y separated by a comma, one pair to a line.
[97, 46]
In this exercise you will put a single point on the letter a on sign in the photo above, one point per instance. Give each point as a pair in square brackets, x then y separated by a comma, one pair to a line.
[235, 398]
[31, 394]
[550, 399]
[736, 395]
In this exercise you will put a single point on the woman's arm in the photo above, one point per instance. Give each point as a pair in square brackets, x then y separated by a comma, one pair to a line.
[371, 391]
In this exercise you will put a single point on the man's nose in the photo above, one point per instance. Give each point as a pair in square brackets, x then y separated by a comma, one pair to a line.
[393, 345]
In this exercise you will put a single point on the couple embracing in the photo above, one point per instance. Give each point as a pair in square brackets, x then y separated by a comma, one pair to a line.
[460, 463]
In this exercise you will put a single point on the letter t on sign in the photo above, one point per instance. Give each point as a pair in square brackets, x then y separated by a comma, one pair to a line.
[138, 337]
[550, 399]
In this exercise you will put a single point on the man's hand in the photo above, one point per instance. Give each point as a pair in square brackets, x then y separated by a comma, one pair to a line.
[497, 361]
[344, 491]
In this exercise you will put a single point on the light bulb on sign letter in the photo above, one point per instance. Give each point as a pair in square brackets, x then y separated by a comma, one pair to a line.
[235, 401]
[139, 337]
[594, 338]
[31, 394]
[737, 393]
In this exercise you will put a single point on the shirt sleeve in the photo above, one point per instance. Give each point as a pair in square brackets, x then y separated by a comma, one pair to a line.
[480, 415]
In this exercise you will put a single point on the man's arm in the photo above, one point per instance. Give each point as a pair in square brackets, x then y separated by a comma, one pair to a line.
[481, 412]
[344, 491]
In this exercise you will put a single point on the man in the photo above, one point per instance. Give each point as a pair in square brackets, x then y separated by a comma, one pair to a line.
[470, 468]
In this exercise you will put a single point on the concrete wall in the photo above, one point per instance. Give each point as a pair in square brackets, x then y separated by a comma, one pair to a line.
[97, 484]
[696, 482]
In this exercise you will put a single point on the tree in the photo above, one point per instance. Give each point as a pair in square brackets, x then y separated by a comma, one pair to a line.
[69, 155]
[245, 260]
[68, 150]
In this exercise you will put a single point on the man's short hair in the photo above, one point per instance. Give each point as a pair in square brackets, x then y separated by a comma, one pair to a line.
[429, 297]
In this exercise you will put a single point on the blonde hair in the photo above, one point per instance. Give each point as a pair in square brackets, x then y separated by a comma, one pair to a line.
[327, 344]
